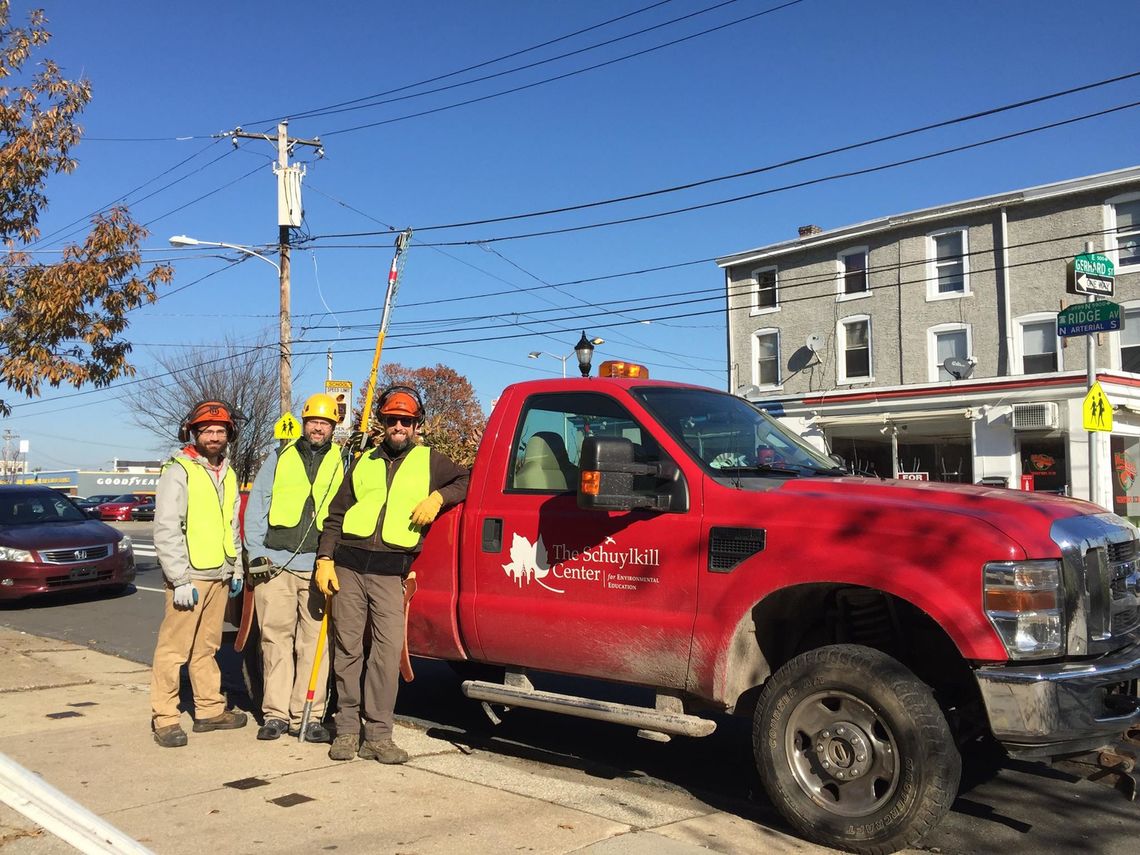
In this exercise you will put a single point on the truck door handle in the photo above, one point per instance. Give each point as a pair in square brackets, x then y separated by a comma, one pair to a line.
[492, 535]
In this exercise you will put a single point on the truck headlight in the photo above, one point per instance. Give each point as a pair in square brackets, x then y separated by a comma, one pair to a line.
[7, 553]
[1024, 603]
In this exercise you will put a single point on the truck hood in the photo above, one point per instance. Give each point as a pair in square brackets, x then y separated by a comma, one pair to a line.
[1024, 517]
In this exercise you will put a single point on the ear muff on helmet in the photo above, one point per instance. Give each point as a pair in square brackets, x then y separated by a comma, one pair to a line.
[211, 410]
[400, 401]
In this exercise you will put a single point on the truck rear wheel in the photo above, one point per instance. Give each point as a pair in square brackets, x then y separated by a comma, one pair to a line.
[854, 751]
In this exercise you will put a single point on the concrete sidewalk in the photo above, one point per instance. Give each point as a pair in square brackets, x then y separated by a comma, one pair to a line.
[79, 719]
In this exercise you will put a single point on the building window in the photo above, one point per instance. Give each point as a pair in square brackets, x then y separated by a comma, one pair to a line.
[946, 341]
[1124, 230]
[1130, 341]
[1039, 353]
[764, 290]
[854, 335]
[853, 273]
[766, 358]
[948, 269]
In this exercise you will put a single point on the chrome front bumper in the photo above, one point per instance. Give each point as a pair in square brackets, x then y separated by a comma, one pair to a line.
[1049, 710]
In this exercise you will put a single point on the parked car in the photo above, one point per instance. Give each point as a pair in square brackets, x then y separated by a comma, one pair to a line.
[120, 507]
[47, 544]
[145, 511]
[90, 505]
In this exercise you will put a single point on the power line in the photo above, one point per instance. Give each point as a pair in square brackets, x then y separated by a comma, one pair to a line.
[194, 201]
[794, 186]
[576, 322]
[567, 330]
[318, 111]
[517, 68]
[130, 192]
[993, 111]
[565, 75]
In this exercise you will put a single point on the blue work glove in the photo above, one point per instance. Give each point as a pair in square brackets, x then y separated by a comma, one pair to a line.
[185, 596]
[235, 586]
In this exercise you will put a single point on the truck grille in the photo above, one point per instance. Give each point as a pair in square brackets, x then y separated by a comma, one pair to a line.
[75, 555]
[1101, 557]
[1120, 552]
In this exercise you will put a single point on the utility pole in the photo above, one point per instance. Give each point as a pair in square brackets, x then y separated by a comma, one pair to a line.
[1090, 376]
[9, 458]
[288, 216]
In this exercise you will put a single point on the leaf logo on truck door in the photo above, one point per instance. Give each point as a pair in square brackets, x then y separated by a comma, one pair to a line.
[528, 562]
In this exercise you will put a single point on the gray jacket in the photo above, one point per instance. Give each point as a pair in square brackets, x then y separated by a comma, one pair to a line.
[170, 526]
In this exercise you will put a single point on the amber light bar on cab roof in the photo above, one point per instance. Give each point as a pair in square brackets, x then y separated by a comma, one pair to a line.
[618, 368]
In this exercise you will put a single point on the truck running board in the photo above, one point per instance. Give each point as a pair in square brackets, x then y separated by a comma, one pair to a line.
[651, 723]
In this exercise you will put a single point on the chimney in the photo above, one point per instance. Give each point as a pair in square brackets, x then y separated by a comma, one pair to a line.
[808, 231]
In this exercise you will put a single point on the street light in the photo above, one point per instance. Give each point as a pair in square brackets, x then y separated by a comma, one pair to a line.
[285, 375]
[577, 351]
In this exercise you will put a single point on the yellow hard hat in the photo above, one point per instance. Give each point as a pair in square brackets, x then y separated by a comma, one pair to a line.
[320, 406]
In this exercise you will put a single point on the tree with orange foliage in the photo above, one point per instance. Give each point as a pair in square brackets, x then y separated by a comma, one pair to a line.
[59, 321]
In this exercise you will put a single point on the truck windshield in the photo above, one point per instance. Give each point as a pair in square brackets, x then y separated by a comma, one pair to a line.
[729, 435]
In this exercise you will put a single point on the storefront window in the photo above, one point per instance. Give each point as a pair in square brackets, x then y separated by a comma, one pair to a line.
[1043, 467]
[1125, 464]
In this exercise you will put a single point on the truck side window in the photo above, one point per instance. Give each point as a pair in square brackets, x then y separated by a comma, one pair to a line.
[550, 436]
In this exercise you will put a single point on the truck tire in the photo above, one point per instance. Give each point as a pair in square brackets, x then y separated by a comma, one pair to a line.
[853, 750]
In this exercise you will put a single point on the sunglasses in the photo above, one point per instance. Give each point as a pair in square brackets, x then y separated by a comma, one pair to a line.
[405, 421]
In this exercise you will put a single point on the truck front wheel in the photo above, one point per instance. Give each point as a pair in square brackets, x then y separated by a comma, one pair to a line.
[854, 751]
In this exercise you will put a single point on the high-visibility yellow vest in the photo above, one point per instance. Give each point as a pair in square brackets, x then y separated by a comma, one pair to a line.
[209, 523]
[291, 487]
[410, 485]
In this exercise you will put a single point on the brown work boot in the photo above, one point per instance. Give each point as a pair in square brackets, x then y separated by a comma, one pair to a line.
[171, 736]
[383, 751]
[229, 720]
[344, 747]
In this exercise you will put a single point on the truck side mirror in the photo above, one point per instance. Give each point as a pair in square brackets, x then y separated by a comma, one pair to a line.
[607, 478]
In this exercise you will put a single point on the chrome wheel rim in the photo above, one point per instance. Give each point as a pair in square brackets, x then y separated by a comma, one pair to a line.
[842, 753]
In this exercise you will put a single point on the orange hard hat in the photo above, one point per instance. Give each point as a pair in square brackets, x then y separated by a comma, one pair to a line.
[400, 401]
[209, 412]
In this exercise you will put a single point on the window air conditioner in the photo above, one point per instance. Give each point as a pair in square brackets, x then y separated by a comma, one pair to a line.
[1041, 416]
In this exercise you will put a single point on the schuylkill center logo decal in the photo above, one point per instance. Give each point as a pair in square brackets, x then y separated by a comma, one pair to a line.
[608, 565]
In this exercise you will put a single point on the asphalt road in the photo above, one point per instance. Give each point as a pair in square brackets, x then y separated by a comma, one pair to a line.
[1004, 805]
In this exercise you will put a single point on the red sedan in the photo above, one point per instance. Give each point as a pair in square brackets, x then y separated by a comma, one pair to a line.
[119, 508]
[47, 544]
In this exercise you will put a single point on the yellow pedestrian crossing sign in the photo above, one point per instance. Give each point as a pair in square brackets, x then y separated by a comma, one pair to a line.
[1097, 410]
[287, 427]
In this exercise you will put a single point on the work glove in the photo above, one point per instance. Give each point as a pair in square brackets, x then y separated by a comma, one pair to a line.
[428, 509]
[185, 596]
[326, 576]
[235, 586]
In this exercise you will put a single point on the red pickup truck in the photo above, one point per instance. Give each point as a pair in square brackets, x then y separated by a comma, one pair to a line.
[678, 538]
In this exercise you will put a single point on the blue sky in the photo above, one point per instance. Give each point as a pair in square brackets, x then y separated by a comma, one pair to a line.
[812, 76]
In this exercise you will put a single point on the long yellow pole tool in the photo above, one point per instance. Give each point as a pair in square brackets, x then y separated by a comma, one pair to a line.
[402, 241]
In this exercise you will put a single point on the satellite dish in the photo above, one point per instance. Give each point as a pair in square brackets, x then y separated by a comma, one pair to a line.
[958, 368]
[813, 343]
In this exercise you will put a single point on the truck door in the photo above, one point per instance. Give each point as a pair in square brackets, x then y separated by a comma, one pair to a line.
[599, 593]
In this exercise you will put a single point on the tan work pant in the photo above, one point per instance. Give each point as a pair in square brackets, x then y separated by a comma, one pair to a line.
[194, 636]
[367, 601]
[289, 611]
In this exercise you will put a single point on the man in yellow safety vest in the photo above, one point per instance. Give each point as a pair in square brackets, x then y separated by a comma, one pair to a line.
[197, 541]
[283, 520]
[370, 538]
